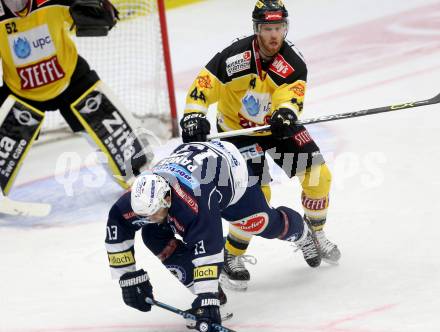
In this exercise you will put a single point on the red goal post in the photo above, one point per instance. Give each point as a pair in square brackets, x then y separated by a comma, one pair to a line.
[134, 61]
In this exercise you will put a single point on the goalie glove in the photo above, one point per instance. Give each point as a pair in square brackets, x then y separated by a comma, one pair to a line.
[136, 287]
[93, 18]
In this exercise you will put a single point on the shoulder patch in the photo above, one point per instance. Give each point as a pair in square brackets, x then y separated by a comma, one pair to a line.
[238, 63]
[281, 67]
[298, 88]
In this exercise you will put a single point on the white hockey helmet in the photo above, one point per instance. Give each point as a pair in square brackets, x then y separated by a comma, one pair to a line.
[148, 194]
[16, 5]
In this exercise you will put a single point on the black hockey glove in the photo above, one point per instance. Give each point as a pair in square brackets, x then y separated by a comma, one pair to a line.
[136, 287]
[93, 17]
[195, 127]
[206, 307]
[282, 123]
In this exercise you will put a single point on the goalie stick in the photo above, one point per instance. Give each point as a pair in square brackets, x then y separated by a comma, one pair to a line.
[185, 314]
[334, 117]
[17, 208]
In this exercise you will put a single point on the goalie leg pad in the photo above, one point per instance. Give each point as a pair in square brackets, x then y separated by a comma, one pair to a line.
[20, 124]
[110, 129]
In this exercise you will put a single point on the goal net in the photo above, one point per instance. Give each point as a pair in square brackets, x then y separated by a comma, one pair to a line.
[133, 61]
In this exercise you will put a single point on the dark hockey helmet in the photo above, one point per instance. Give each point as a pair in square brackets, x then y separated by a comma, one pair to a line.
[269, 11]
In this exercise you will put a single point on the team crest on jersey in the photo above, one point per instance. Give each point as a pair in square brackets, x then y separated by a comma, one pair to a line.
[178, 272]
[281, 67]
[256, 106]
[204, 82]
[238, 63]
[254, 224]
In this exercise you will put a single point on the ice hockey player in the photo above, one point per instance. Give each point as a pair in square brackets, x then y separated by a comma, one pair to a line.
[188, 193]
[261, 80]
[42, 71]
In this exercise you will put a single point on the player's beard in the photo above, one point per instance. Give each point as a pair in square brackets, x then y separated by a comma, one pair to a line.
[16, 6]
[269, 48]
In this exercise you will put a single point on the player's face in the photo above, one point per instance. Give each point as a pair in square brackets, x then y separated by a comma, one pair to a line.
[271, 37]
[160, 215]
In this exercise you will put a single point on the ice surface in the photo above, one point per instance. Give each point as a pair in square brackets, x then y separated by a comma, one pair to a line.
[384, 199]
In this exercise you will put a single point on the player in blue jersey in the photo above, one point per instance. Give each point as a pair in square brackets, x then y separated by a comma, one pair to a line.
[188, 193]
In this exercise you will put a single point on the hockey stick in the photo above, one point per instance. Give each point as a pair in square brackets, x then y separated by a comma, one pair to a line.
[185, 314]
[334, 117]
[17, 208]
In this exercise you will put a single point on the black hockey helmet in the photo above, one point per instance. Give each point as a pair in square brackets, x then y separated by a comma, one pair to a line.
[269, 11]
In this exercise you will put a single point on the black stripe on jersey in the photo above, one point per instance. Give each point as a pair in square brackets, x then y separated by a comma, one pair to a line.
[294, 58]
[218, 67]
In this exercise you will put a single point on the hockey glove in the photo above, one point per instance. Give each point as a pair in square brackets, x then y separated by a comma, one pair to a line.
[195, 127]
[136, 287]
[206, 308]
[93, 17]
[282, 123]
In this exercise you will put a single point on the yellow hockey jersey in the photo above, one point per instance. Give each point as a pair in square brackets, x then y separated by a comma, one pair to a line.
[247, 90]
[38, 55]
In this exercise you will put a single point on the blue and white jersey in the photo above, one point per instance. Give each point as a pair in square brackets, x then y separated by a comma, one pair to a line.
[205, 179]
[209, 181]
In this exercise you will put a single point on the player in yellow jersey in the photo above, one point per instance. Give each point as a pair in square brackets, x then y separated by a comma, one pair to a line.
[42, 71]
[256, 81]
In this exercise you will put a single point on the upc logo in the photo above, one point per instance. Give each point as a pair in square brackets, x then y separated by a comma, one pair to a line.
[41, 42]
[30, 46]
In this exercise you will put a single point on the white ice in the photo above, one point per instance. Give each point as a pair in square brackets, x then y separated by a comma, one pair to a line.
[54, 272]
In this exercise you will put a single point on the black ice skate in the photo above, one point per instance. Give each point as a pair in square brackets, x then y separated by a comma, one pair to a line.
[309, 246]
[234, 275]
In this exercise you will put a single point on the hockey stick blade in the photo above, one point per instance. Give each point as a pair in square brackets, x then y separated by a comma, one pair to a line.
[185, 314]
[334, 117]
[17, 208]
